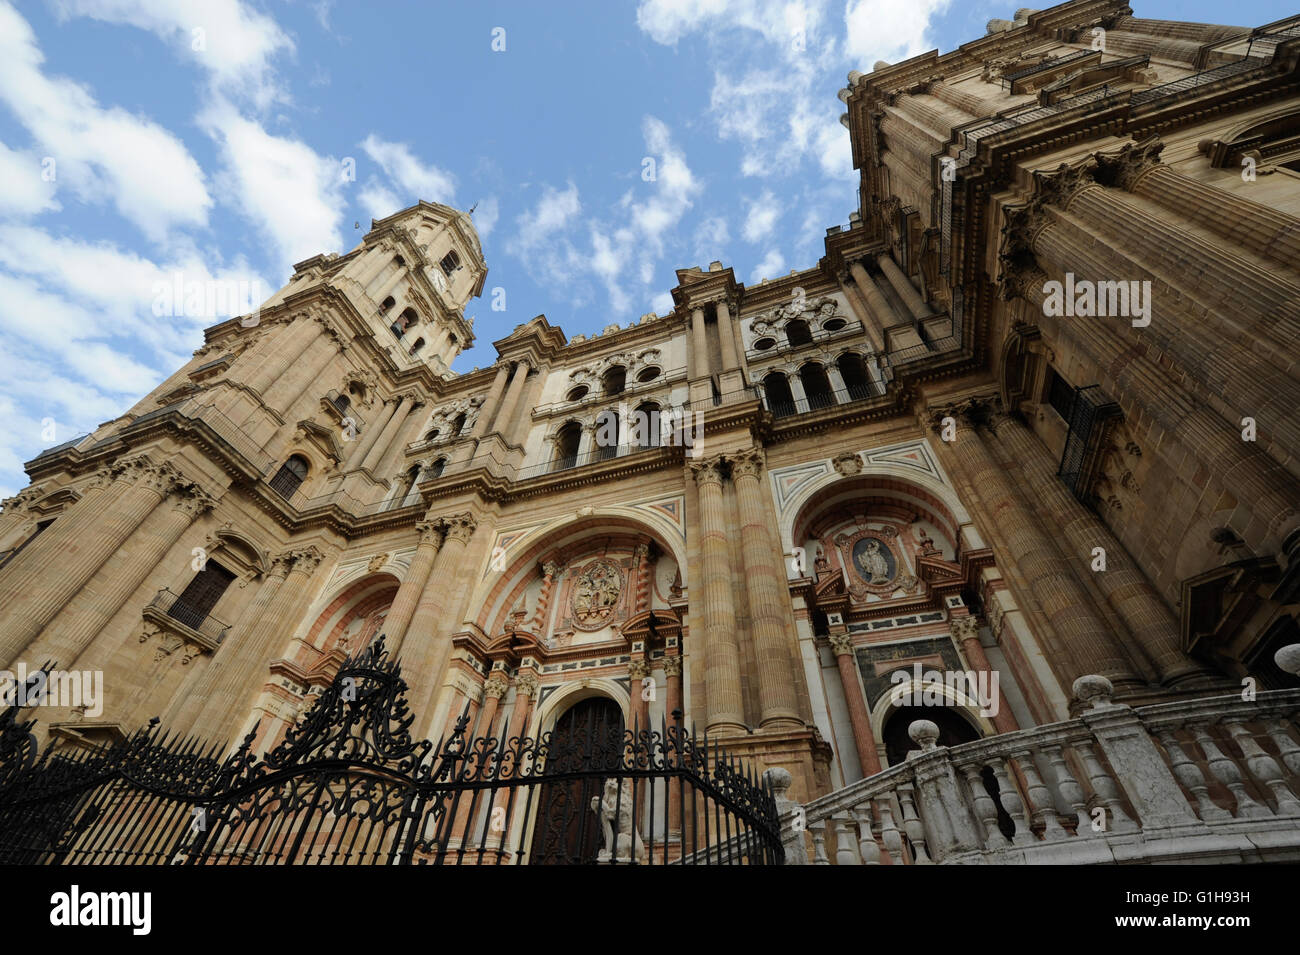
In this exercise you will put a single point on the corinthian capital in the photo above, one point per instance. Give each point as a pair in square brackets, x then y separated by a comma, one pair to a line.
[1064, 182]
[193, 500]
[708, 472]
[306, 559]
[459, 527]
[747, 463]
[841, 643]
[1125, 167]
[964, 628]
[431, 532]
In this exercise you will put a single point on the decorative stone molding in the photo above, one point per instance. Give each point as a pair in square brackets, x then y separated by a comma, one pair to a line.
[431, 532]
[841, 643]
[526, 684]
[816, 312]
[847, 464]
[964, 628]
[672, 666]
[496, 685]
[707, 472]
[747, 464]
[459, 527]
[638, 670]
[1124, 168]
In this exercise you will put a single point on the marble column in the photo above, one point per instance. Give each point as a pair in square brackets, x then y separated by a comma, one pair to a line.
[413, 585]
[864, 740]
[371, 434]
[429, 634]
[541, 618]
[74, 628]
[284, 394]
[494, 688]
[525, 693]
[727, 337]
[966, 634]
[505, 423]
[1124, 586]
[904, 287]
[484, 421]
[1086, 643]
[726, 710]
[380, 448]
[765, 582]
[638, 671]
[53, 575]
[858, 302]
[882, 313]
[232, 688]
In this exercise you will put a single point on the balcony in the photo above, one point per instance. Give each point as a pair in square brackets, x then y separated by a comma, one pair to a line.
[191, 624]
[1205, 780]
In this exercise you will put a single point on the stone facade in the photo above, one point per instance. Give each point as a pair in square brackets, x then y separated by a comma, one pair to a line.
[764, 508]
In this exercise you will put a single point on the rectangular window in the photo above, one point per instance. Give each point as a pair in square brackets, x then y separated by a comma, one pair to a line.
[197, 600]
[1060, 394]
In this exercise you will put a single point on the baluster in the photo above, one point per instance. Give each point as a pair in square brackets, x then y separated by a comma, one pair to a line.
[890, 834]
[846, 847]
[1264, 767]
[1041, 807]
[1104, 786]
[985, 808]
[1227, 772]
[1277, 731]
[818, 830]
[1014, 806]
[867, 848]
[1070, 789]
[1190, 775]
[913, 826]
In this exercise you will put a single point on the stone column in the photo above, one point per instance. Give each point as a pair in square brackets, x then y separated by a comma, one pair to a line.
[966, 634]
[288, 350]
[765, 581]
[858, 302]
[673, 704]
[392, 456]
[882, 313]
[904, 287]
[388, 284]
[284, 394]
[525, 691]
[417, 578]
[429, 643]
[484, 420]
[54, 574]
[727, 336]
[1126, 589]
[796, 389]
[380, 447]
[372, 433]
[864, 740]
[495, 688]
[726, 710]
[540, 618]
[970, 103]
[77, 625]
[232, 686]
[23, 568]
[505, 423]
[637, 671]
[1087, 645]
[699, 344]
[642, 577]
[379, 260]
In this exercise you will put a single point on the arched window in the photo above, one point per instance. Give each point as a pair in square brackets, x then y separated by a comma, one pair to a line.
[856, 379]
[387, 303]
[289, 478]
[435, 469]
[797, 333]
[780, 400]
[577, 394]
[419, 343]
[432, 435]
[458, 425]
[607, 425]
[450, 262]
[614, 380]
[410, 315]
[567, 443]
[816, 386]
[643, 429]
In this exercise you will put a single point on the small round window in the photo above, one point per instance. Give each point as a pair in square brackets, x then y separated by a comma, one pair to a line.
[647, 374]
[835, 324]
[577, 394]
[763, 344]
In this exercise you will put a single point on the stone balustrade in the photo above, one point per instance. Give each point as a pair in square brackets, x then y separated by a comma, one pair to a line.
[1205, 780]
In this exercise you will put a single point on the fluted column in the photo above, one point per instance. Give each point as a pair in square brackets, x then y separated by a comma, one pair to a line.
[284, 394]
[55, 574]
[864, 741]
[673, 704]
[495, 688]
[637, 671]
[699, 344]
[727, 337]
[390, 459]
[429, 643]
[1087, 646]
[505, 423]
[765, 583]
[372, 433]
[525, 691]
[966, 634]
[1126, 589]
[858, 302]
[234, 678]
[379, 260]
[81, 620]
[882, 313]
[970, 103]
[904, 287]
[413, 585]
[642, 577]
[484, 420]
[380, 447]
[289, 349]
[388, 284]
[726, 710]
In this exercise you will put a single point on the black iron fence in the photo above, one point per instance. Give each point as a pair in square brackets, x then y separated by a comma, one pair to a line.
[350, 784]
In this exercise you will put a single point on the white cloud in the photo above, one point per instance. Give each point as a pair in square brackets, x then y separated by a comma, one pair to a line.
[711, 236]
[293, 195]
[414, 179]
[228, 39]
[24, 191]
[761, 217]
[889, 30]
[486, 215]
[100, 154]
[772, 266]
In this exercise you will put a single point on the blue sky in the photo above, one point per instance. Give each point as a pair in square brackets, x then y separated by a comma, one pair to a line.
[145, 139]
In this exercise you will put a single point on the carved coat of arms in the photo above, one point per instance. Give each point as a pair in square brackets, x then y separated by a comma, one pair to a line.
[595, 595]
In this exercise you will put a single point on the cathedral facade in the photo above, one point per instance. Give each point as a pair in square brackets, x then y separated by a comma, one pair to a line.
[1030, 418]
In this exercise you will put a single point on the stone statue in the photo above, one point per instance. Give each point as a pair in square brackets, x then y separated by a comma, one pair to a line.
[629, 847]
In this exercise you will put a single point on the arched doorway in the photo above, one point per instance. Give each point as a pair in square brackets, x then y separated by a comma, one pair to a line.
[567, 830]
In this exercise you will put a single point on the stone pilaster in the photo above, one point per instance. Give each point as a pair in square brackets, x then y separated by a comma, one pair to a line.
[864, 740]
[429, 634]
[380, 448]
[966, 634]
[484, 422]
[413, 585]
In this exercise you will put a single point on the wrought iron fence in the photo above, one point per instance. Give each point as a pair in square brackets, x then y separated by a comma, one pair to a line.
[350, 784]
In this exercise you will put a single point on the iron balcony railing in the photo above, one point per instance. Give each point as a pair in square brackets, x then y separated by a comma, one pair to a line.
[197, 619]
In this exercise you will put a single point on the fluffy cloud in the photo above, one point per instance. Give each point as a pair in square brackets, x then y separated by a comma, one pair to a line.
[403, 172]
[100, 154]
[761, 217]
[772, 266]
[24, 191]
[232, 42]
